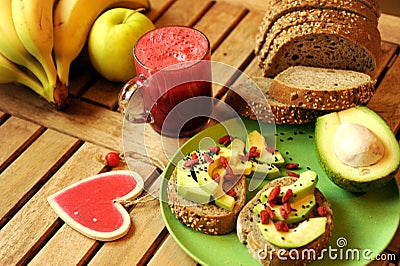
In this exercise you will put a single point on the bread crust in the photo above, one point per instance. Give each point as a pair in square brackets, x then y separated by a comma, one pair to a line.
[267, 253]
[209, 219]
[244, 100]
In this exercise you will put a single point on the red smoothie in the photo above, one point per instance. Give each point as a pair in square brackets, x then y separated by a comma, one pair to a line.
[175, 60]
[171, 45]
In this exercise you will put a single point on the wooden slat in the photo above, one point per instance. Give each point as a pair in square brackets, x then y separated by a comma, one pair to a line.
[386, 100]
[19, 179]
[183, 13]
[219, 21]
[389, 26]
[3, 116]
[158, 7]
[147, 224]
[104, 93]
[237, 49]
[168, 253]
[15, 134]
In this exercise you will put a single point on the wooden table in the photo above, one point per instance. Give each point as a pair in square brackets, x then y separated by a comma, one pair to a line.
[43, 150]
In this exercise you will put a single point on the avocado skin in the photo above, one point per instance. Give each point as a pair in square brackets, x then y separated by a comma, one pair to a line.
[355, 186]
[361, 113]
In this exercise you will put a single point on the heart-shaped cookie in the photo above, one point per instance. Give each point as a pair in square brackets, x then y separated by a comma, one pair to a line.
[93, 205]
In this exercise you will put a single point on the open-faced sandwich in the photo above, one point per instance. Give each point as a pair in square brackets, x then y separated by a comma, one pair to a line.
[288, 222]
[207, 189]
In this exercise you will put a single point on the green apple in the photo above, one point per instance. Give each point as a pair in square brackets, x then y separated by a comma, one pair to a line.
[111, 41]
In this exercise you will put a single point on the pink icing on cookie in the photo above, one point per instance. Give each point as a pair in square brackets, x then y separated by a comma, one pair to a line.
[91, 205]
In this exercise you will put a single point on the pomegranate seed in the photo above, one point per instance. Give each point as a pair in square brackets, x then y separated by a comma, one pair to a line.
[287, 207]
[270, 149]
[281, 226]
[190, 163]
[208, 158]
[321, 211]
[264, 216]
[271, 214]
[113, 159]
[273, 196]
[292, 166]
[214, 149]
[284, 214]
[287, 195]
[293, 174]
[231, 193]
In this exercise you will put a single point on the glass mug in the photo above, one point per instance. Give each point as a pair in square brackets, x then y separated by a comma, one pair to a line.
[172, 90]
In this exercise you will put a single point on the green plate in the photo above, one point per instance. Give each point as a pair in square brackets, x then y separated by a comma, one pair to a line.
[364, 224]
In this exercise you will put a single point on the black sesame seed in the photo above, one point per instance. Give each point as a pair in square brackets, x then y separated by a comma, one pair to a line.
[282, 238]
[265, 229]
[282, 133]
[308, 168]
[301, 132]
[287, 153]
[281, 140]
[290, 138]
[310, 137]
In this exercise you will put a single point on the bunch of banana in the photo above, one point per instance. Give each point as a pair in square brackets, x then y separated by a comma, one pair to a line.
[40, 39]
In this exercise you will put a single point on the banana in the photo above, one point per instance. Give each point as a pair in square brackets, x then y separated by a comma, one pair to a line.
[72, 22]
[12, 47]
[33, 22]
[10, 73]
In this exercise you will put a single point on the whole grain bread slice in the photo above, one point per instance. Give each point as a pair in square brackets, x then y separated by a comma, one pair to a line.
[322, 88]
[303, 17]
[267, 253]
[206, 218]
[276, 9]
[246, 102]
[321, 44]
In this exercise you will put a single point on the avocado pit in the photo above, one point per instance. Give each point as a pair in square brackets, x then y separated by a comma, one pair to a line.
[357, 146]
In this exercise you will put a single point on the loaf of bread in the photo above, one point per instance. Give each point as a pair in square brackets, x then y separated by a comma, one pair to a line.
[331, 34]
[249, 233]
[207, 218]
[277, 9]
[322, 88]
[303, 17]
[245, 100]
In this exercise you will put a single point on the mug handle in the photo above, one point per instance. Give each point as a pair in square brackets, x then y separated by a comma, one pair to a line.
[136, 111]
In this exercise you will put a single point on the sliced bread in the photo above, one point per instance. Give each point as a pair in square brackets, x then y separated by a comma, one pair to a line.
[322, 88]
[276, 9]
[268, 254]
[323, 44]
[245, 101]
[313, 15]
[206, 218]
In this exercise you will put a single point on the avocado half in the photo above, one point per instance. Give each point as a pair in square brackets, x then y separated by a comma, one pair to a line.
[363, 178]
